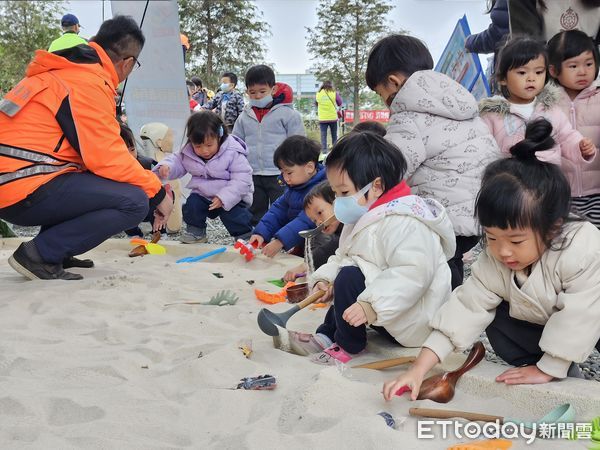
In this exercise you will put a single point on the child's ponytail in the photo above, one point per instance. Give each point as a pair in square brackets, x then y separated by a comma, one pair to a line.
[524, 192]
[538, 137]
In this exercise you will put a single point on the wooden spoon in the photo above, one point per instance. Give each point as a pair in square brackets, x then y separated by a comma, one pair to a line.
[440, 388]
[141, 250]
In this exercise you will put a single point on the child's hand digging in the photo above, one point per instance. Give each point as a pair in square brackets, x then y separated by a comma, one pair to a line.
[272, 248]
[524, 375]
[587, 148]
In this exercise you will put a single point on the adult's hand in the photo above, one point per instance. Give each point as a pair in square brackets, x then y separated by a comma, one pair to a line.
[162, 212]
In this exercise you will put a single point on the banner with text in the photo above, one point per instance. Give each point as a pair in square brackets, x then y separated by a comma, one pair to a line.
[379, 115]
[156, 92]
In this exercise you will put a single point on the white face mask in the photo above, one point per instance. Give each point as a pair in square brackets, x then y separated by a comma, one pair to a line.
[225, 87]
[347, 209]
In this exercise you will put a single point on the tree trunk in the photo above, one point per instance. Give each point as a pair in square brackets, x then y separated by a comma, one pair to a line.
[356, 82]
[209, 44]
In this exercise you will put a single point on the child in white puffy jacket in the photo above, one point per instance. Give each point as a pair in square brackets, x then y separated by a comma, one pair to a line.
[390, 269]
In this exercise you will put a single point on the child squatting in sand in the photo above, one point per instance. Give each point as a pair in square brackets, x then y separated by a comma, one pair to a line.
[535, 289]
[390, 269]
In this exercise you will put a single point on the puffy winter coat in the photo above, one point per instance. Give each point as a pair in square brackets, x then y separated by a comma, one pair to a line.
[584, 115]
[508, 126]
[434, 122]
[401, 248]
[233, 108]
[226, 175]
[263, 137]
[562, 292]
[488, 41]
[286, 217]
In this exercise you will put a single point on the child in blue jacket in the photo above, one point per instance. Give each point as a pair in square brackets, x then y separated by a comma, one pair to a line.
[298, 160]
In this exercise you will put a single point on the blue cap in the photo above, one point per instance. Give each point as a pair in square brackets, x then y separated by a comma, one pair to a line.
[69, 20]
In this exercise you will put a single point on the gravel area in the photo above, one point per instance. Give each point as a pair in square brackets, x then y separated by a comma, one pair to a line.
[217, 234]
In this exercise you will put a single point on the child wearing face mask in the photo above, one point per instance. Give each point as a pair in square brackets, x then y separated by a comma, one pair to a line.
[435, 123]
[390, 269]
[263, 125]
[221, 182]
[573, 58]
[521, 73]
[228, 103]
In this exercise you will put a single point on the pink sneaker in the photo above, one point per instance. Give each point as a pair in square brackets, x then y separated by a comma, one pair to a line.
[305, 344]
[330, 355]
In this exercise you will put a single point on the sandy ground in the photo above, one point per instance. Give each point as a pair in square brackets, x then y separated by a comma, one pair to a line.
[102, 363]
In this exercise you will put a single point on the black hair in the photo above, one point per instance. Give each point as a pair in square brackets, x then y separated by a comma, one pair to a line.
[260, 74]
[524, 192]
[517, 52]
[120, 37]
[203, 124]
[189, 83]
[568, 44]
[197, 81]
[296, 150]
[327, 85]
[369, 126]
[127, 135]
[322, 190]
[397, 53]
[232, 77]
[366, 156]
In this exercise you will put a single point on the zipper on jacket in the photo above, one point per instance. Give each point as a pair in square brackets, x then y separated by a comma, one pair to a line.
[59, 145]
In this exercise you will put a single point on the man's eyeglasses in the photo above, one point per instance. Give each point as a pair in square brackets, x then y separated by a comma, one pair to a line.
[137, 64]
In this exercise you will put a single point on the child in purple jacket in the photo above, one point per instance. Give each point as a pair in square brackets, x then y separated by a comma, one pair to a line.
[221, 181]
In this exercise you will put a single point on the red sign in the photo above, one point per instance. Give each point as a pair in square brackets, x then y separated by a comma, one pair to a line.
[379, 115]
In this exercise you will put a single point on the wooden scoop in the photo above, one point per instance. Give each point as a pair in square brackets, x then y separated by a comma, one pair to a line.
[386, 363]
[141, 250]
[440, 388]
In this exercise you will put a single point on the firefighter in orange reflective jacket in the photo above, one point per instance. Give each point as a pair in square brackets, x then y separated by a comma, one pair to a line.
[63, 164]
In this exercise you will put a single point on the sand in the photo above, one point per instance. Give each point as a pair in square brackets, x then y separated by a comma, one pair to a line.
[102, 364]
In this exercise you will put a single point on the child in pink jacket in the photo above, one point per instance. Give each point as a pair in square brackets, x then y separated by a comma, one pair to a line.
[521, 74]
[574, 66]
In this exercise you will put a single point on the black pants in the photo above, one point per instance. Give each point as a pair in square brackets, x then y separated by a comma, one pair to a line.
[236, 220]
[463, 245]
[516, 341]
[347, 286]
[266, 190]
[77, 212]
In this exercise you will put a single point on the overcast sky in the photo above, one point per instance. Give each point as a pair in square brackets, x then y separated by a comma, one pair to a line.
[430, 20]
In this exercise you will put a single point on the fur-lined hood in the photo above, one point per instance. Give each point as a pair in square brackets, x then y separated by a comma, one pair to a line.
[548, 98]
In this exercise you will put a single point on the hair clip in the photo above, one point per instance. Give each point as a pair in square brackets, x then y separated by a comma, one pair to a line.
[221, 131]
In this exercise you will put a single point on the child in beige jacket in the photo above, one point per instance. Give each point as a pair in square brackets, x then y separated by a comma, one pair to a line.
[536, 287]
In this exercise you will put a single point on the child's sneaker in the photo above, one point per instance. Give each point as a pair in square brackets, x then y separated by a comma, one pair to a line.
[193, 235]
[305, 344]
[330, 355]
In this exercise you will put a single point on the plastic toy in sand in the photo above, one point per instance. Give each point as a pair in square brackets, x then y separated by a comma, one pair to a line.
[221, 298]
[272, 298]
[190, 259]
[260, 383]
[247, 250]
[144, 247]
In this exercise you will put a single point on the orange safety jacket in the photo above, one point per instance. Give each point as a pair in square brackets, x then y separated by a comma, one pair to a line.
[61, 118]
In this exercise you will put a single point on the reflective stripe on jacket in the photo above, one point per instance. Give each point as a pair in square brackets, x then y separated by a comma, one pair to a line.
[61, 118]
